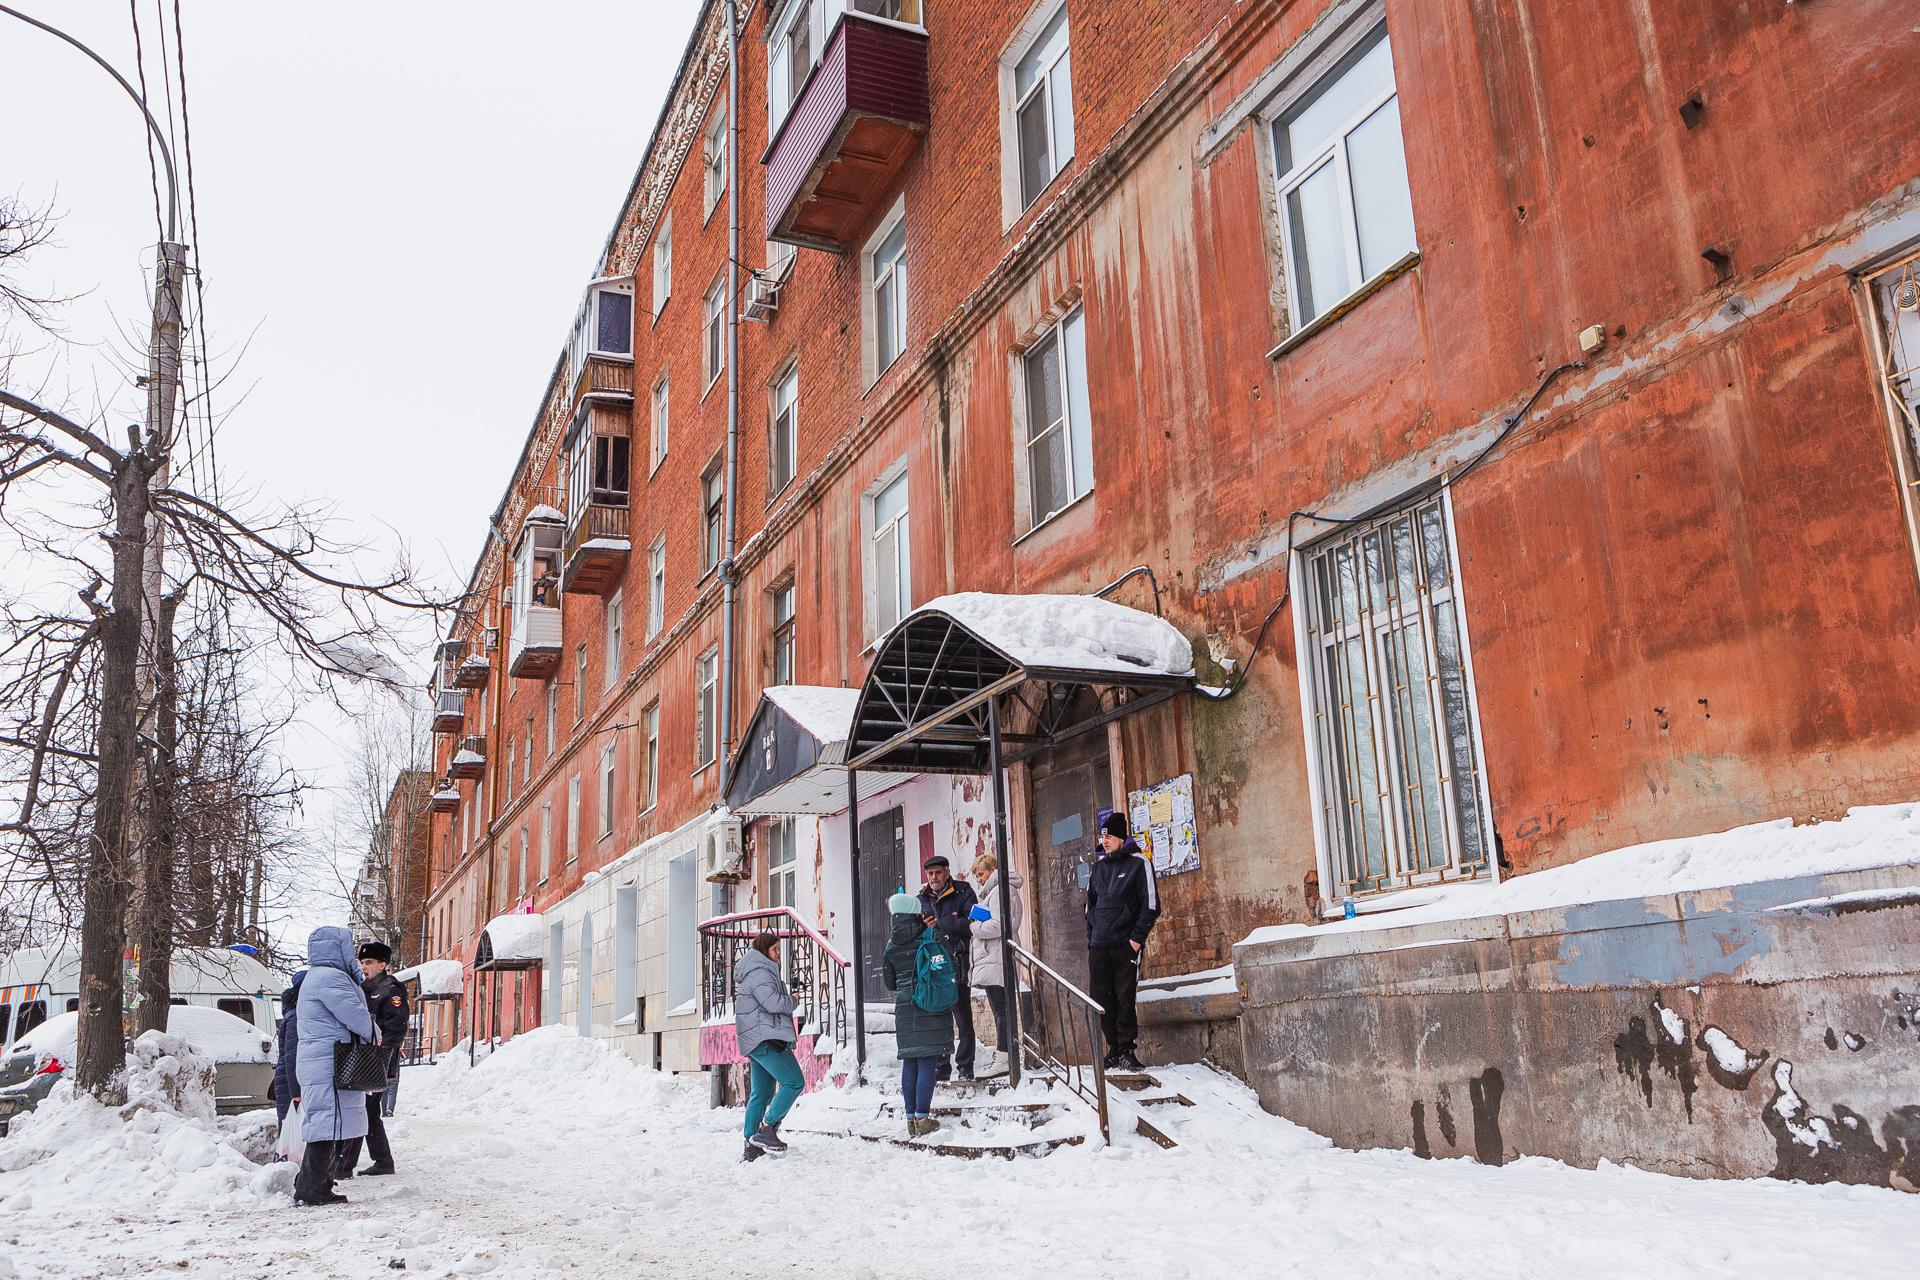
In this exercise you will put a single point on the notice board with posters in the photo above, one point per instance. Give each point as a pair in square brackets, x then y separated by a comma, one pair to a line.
[1161, 817]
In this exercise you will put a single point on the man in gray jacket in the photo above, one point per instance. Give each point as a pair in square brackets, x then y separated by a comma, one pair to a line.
[763, 1021]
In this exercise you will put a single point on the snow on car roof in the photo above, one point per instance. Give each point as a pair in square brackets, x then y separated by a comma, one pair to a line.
[214, 1032]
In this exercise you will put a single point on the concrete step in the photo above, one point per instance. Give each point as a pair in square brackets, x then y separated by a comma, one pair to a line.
[1131, 1081]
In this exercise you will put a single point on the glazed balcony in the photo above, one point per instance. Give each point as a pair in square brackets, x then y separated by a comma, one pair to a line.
[852, 127]
[533, 649]
[449, 711]
[469, 761]
[472, 672]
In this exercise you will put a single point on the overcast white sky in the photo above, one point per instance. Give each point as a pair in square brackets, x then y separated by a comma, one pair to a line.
[399, 202]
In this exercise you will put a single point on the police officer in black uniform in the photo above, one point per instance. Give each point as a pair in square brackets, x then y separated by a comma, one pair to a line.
[387, 999]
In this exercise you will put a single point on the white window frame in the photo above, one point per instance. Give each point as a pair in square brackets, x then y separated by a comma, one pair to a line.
[546, 841]
[573, 817]
[783, 876]
[713, 333]
[606, 790]
[1067, 334]
[1327, 845]
[580, 682]
[713, 516]
[662, 423]
[1311, 74]
[656, 586]
[553, 713]
[524, 885]
[901, 527]
[616, 623]
[650, 762]
[1014, 200]
[706, 709]
[783, 429]
[526, 761]
[714, 158]
[662, 265]
[585, 340]
[782, 606]
[883, 338]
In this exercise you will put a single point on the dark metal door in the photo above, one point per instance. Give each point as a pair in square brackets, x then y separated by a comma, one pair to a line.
[883, 859]
[1067, 800]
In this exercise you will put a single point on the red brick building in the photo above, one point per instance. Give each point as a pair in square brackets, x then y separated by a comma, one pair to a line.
[1496, 392]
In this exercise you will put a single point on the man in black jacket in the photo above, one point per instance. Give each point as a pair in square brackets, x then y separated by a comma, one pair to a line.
[387, 998]
[944, 904]
[1122, 904]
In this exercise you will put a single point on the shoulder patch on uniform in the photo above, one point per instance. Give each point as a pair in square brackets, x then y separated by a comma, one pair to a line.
[393, 999]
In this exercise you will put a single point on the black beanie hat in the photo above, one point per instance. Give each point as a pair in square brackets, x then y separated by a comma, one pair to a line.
[1114, 824]
[376, 951]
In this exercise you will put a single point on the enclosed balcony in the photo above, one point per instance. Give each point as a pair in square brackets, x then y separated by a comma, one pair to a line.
[855, 117]
[533, 645]
[600, 351]
[599, 488]
[472, 672]
[469, 762]
[449, 710]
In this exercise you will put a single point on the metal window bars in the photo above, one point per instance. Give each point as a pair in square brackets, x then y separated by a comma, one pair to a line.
[816, 973]
[1060, 1030]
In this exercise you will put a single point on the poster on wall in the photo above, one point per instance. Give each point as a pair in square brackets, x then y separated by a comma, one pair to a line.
[1162, 820]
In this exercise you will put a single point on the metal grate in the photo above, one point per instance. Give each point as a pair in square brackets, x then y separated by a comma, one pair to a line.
[1400, 786]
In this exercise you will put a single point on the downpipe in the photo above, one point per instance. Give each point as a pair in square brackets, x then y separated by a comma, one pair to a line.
[728, 586]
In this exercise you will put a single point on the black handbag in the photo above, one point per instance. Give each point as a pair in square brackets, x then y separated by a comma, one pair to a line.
[359, 1065]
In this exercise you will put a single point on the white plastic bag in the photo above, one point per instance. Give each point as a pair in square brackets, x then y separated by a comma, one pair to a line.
[292, 1145]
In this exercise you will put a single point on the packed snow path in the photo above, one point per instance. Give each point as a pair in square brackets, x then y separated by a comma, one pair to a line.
[556, 1157]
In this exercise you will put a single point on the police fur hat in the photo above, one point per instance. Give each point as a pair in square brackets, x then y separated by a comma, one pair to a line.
[376, 951]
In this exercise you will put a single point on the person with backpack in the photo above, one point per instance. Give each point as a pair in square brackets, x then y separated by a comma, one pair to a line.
[946, 905]
[763, 1008]
[1122, 903]
[919, 970]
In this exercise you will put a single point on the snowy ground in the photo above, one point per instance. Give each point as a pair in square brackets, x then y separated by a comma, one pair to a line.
[555, 1157]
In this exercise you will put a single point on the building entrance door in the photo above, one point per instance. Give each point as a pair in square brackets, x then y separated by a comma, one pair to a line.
[1071, 785]
[883, 859]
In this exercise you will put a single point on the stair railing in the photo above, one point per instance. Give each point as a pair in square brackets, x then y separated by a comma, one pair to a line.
[1060, 1030]
[816, 973]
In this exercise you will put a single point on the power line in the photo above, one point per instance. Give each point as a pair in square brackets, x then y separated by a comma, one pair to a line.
[199, 277]
[140, 63]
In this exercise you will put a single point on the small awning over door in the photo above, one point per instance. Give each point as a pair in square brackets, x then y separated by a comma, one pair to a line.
[792, 757]
[923, 706]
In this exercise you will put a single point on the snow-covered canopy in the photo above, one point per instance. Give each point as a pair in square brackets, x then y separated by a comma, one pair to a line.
[825, 711]
[1080, 633]
[513, 941]
[437, 977]
[220, 1036]
[546, 513]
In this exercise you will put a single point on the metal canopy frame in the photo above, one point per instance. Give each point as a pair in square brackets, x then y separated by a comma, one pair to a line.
[485, 962]
[931, 703]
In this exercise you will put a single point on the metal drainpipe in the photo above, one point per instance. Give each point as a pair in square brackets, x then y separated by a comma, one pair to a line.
[733, 382]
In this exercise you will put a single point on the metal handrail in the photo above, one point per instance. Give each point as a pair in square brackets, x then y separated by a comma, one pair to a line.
[1063, 1033]
[818, 973]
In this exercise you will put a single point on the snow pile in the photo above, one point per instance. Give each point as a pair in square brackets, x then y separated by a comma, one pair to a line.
[546, 514]
[164, 1149]
[213, 1032]
[437, 977]
[1076, 632]
[1867, 837]
[519, 935]
[825, 711]
[547, 1070]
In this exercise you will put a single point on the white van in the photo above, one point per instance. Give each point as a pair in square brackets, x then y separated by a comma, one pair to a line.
[37, 983]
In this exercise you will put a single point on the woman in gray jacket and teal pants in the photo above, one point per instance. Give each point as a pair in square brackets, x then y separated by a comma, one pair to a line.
[763, 1021]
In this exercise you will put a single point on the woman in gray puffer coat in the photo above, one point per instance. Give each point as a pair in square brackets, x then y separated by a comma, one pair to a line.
[332, 1009]
[763, 1022]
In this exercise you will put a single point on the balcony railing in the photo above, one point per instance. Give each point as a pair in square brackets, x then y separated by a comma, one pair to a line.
[449, 711]
[598, 543]
[469, 761]
[533, 648]
[472, 672]
[604, 377]
[849, 134]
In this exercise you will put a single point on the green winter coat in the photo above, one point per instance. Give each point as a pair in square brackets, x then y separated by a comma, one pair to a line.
[921, 1034]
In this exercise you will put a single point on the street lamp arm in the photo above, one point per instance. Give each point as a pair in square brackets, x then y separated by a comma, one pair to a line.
[153, 126]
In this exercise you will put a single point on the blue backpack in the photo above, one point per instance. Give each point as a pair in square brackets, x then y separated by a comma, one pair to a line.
[935, 984]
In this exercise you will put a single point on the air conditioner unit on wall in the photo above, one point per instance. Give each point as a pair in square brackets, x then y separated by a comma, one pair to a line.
[722, 857]
[763, 297]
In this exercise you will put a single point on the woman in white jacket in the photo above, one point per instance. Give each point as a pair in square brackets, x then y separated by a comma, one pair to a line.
[984, 960]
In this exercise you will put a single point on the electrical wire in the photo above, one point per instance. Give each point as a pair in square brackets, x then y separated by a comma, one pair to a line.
[1286, 592]
[205, 398]
[140, 63]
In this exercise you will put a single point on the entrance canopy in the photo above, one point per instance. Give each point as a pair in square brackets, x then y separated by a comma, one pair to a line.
[924, 705]
[792, 758]
[515, 941]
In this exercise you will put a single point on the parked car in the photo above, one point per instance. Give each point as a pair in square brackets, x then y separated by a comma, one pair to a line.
[242, 1057]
